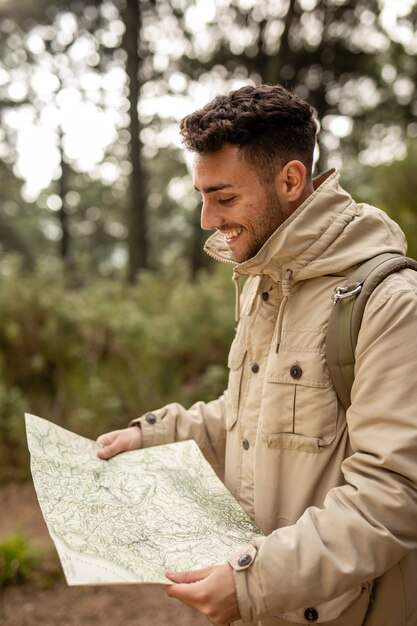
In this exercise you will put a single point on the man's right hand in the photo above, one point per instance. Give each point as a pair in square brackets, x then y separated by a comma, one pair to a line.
[119, 441]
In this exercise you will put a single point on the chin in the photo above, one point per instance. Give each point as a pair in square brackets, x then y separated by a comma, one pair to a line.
[238, 258]
[245, 256]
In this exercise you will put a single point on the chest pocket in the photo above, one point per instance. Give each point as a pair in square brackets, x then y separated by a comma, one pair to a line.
[299, 407]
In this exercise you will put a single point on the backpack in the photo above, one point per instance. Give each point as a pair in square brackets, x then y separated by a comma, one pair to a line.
[346, 317]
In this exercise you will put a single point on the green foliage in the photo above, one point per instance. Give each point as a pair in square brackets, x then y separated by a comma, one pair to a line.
[393, 187]
[94, 358]
[12, 407]
[17, 560]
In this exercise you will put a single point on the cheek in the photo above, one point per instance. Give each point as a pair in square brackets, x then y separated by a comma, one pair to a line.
[250, 217]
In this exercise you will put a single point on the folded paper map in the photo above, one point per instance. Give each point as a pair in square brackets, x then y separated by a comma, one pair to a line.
[135, 516]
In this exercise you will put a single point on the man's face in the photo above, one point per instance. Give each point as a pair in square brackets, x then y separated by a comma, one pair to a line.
[235, 202]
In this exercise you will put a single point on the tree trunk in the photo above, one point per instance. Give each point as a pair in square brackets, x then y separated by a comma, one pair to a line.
[137, 241]
[64, 244]
[271, 65]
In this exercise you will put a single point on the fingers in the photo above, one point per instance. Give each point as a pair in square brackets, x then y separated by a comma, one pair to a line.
[187, 593]
[189, 577]
[119, 441]
[210, 590]
[105, 442]
[188, 586]
[106, 439]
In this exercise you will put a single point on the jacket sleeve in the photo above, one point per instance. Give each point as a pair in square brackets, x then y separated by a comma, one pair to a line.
[369, 523]
[203, 421]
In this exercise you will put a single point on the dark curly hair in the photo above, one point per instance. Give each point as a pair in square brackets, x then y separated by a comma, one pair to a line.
[269, 124]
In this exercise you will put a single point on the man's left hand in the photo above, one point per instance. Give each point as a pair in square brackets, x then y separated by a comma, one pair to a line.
[210, 590]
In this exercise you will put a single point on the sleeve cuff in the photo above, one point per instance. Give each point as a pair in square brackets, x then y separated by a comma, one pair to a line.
[153, 428]
[241, 563]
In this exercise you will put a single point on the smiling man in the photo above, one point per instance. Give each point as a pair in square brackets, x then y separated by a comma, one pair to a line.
[334, 491]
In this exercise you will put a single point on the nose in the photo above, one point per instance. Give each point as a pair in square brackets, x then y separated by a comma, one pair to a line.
[210, 217]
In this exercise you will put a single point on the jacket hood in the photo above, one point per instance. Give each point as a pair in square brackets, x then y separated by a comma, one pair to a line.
[327, 234]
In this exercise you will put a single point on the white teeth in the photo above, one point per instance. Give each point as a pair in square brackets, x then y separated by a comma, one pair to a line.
[229, 234]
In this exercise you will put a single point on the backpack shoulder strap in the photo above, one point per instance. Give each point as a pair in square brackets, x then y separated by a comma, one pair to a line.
[346, 317]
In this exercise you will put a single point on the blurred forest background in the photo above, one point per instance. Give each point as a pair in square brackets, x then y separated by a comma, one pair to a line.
[108, 305]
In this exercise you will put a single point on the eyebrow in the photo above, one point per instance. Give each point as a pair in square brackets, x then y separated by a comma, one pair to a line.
[214, 187]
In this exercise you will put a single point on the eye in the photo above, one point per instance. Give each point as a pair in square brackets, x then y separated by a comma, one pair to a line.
[227, 200]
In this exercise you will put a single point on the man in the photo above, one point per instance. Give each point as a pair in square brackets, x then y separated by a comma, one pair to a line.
[335, 493]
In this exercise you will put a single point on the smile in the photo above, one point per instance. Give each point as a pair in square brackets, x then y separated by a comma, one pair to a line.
[230, 234]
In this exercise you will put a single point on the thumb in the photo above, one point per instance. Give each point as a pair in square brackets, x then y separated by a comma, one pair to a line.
[189, 577]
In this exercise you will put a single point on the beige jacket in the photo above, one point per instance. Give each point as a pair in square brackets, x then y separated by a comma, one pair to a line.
[334, 493]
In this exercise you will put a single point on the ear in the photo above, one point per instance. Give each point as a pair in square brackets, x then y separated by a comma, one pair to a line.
[292, 182]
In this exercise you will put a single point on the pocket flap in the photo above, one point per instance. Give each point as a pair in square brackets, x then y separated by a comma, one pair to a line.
[236, 355]
[231, 419]
[303, 368]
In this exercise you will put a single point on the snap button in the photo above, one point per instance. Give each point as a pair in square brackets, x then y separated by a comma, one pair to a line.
[265, 296]
[244, 560]
[255, 368]
[296, 371]
[311, 614]
[245, 444]
[151, 418]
